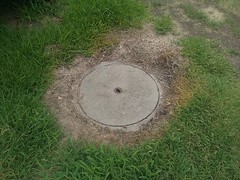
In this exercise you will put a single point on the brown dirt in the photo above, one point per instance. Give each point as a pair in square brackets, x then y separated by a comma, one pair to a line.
[10, 19]
[155, 54]
[223, 34]
[214, 14]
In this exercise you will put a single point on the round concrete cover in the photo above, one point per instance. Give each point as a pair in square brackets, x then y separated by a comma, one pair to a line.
[118, 95]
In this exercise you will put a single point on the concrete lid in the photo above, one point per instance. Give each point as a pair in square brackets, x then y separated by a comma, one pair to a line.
[118, 95]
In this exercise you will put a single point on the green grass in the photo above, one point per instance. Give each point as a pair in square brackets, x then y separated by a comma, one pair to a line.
[194, 13]
[163, 25]
[201, 142]
[232, 5]
[233, 26]
[159, 3]
[236, 31]
[234, 52]
[33, 11]
[200, 16]
[28, 132]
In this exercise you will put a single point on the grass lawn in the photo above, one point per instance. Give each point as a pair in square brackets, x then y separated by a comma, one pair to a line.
[201, 142]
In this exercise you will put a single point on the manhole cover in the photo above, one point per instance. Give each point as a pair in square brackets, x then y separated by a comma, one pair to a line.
[118, 95]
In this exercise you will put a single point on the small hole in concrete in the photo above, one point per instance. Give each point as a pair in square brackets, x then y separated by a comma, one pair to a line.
[118, 90]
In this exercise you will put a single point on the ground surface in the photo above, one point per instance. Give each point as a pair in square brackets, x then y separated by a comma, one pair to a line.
[191, 47]
[223, 34]
[144, 48]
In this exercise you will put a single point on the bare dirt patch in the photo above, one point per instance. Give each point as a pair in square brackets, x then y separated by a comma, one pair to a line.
[157, 55]
[214, 14]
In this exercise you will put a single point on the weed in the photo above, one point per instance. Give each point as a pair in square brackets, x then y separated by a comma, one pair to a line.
[232, 5]
[234, 52]
[159, 3]
[234, 26]
[194, 13]
[236, 31]
[200, 16]
[163, 25]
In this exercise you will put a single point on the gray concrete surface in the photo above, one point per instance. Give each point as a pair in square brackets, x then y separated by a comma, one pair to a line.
[118, 95]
